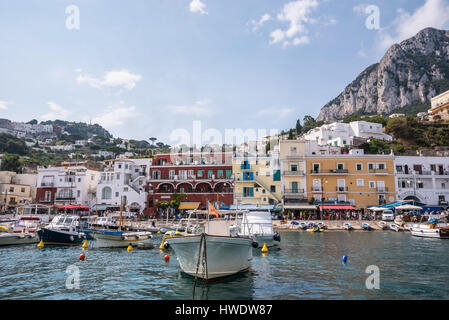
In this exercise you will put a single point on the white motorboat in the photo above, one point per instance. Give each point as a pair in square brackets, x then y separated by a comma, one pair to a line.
[117, 239]
[430, 230]
[383, 225]
[259, 227]
[213, 254]
[366, 226]
[23, 231]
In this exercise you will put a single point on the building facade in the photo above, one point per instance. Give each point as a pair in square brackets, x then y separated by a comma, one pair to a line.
[346, 134]
[201, 177]
[355, 178]
[257, 180]
[423, 179]
[123, 182]
[16, 189]
[440, 107]
[68, 183]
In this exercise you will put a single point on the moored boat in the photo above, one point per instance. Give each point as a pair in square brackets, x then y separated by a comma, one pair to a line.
[433, 229]
[259, 227]
[112, 239]
[61, 231]
[366, 226]
[347, 226]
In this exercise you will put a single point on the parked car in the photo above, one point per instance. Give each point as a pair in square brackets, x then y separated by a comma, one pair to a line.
[387, 215]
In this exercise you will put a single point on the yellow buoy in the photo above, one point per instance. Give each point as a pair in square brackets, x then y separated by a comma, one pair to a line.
[159, 232]
[85, 246]
[264, 249]
[40, 245]
[130, 248]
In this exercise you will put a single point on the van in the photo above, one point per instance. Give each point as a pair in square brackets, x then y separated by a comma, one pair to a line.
[387, 215]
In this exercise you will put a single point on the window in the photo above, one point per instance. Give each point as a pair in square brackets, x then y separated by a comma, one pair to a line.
[268, 173]
[360, 182]
[220, 174]
[119, 166]
[316, 168]
[359, 167]
[22, 190]
[78, 193]
[171, 174]
[272, 188]
[118, 176]
[210, 173]
[340, 166]
[344, 142]
[126, 166]
[228, 174]
[47, 195]
[381, 166]
[106, 193]
[370, 166]
[372, 184]
[399, 169]
[200, 173]
[11, 189]
[116, 194]
[443, 185]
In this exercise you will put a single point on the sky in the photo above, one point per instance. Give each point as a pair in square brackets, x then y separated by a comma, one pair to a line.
[147, 68]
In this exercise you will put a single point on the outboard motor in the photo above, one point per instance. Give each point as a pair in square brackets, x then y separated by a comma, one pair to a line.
[277, 237]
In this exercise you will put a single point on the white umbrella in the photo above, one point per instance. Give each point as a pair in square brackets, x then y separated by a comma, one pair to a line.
[408, 207]
[377, 209]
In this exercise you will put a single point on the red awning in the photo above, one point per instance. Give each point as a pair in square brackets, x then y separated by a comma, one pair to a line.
[336, 207]
[73, 207]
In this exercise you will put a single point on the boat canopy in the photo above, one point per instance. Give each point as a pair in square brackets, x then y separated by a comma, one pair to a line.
[408, 207]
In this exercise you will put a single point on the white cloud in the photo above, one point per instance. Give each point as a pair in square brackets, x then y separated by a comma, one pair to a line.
[297, 14]
[57, 112]
[115, 116]
[258, 24]
[297, 41]
[275, 113]
[112, 79]
[4, 105]
[199, 108]
[360, 9]
[196, 6]
[434, 13]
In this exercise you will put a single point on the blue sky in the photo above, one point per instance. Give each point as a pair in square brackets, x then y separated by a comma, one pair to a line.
[144, 68]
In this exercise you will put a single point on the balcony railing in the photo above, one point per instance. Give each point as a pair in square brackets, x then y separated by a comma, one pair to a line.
[65, 198]
[293, 173]
[294, 191]
[47, 184]
[315, 171]
[344, 171]
[377, 170]
[382, 189]
[342, 189]
[317, 189]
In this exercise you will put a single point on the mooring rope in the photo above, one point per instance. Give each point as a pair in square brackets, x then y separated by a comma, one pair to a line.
[203, 259]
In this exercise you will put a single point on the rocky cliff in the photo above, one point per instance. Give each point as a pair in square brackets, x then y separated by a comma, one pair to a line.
[413, 71]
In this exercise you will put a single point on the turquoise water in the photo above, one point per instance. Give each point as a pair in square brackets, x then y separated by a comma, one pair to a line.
[308, 266]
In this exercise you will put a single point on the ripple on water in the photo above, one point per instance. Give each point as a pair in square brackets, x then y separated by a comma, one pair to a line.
[308, 266]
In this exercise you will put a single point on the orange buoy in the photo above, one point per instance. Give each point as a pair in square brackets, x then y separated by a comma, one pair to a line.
[82, 257]
[166, 258]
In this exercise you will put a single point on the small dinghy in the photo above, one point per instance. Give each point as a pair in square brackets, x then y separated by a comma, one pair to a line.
[366, 226]
[347, 226]
[395, 227]
[383, 225]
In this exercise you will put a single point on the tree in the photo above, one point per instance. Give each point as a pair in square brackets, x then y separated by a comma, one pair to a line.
[10, 162]
[34, 121]
[298, 127]
[309, 124]
[398, 127]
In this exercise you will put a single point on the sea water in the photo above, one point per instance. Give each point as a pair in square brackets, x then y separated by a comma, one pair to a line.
[307, 266]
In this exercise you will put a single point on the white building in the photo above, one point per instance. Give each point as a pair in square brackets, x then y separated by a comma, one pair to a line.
[340, 134]
[423, 179]
[68, 183]
[127, 178]
[63, 147]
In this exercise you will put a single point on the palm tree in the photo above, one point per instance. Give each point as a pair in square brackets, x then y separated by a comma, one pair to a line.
[153, 139]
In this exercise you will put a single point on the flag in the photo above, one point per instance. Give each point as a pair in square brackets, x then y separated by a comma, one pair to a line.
[212, 210]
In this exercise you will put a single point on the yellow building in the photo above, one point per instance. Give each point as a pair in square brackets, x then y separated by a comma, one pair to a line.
[293, 168]
[440, 107]
[14, 195]
[358, 179]
[257, 180]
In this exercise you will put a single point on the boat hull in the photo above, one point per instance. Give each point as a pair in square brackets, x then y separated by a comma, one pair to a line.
[430, 233]
[226, 256]
[18, 238]
[59, 237]
[120, 240]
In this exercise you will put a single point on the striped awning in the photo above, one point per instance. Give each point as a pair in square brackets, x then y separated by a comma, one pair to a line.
[189, 205]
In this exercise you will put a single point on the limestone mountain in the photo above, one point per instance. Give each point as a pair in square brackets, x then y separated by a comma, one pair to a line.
[411, 72]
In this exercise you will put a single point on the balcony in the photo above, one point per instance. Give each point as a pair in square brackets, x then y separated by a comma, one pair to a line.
[65, 198]
[47, 184]
[378, 171]
[317, 189]
[293, 173]
[342, 189]
[315, 171]
[243, 195]
[339, 171]
[382, 189]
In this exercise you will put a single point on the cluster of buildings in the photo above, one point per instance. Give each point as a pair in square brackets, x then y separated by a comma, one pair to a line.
[440, 107]
[295, 175]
